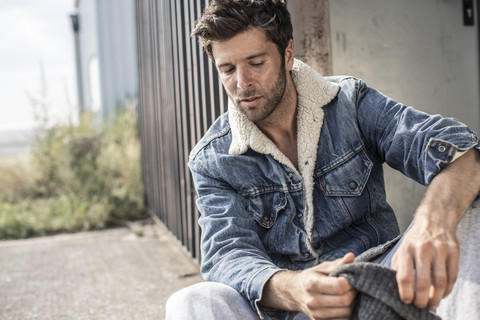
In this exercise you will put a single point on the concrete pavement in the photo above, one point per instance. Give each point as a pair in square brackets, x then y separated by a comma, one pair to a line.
[112, 274]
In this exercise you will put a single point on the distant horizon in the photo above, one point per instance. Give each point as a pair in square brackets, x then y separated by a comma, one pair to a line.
[16, 142]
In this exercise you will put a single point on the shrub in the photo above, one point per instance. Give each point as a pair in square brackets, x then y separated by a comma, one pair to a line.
[79, 177]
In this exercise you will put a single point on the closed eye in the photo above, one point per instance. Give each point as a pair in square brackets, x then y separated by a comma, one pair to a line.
[228, 71]
[257, 64]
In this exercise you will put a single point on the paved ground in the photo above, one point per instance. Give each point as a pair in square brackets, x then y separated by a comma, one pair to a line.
[113, 274]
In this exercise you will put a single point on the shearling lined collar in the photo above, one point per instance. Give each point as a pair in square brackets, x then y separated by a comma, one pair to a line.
[313, 92]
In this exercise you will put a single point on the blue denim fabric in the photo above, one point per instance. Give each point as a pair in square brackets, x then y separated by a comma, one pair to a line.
[251, 205]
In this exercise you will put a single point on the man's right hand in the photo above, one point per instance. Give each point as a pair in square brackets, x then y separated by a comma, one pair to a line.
[312, 291]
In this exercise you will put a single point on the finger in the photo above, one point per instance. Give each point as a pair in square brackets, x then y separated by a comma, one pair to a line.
[331, 307]
[439, 279]
[345, 300]
[404, 267]
[323, 306]
[452, 271]
[332, 314]
[423, 275]
[330, 286]
[329, 266]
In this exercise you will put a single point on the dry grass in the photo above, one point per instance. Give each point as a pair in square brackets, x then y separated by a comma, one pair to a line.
[16, 177]
[77, 178]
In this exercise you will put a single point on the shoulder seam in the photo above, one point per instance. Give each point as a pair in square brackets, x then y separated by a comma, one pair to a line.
[204, 143]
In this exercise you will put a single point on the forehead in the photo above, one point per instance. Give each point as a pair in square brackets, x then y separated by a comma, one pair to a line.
[242, 46]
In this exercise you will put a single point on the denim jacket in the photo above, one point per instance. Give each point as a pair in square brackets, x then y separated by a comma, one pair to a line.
[260, 214]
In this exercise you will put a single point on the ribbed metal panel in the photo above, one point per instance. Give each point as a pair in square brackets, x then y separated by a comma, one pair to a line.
[180, 96]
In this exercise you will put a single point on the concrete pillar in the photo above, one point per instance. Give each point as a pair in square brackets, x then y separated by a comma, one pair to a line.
[311, 33]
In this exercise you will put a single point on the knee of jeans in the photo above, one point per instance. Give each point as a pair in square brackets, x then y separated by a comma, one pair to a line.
[202, 292]
[180, 298]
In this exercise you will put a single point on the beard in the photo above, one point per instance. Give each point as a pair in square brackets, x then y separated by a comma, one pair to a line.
[272, 97]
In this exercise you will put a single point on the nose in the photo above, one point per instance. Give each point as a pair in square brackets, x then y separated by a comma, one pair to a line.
[244, 79]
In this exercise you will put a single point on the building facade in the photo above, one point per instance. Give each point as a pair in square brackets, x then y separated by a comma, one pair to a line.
[106, 55]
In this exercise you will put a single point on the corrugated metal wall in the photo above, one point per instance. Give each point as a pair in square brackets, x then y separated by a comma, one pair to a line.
[179, 97]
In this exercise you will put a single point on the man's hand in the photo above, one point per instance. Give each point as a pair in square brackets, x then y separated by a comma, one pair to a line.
[312, 291]
[427, 259]
[427, 264]
[327, 297]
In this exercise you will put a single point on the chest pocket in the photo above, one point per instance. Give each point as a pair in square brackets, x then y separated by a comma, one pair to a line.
[266, 207]
[347, 176]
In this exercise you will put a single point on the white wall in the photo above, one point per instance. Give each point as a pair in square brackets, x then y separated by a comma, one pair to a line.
[418, 53]
[108, 53]
[88, 51]
[117, 51]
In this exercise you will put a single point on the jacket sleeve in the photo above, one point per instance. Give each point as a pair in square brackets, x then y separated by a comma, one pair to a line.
[232, 252]
[413, 142]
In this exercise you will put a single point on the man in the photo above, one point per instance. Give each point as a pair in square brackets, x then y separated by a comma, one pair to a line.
[290, 183]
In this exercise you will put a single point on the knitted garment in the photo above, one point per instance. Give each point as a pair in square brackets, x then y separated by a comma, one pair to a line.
[378, 296]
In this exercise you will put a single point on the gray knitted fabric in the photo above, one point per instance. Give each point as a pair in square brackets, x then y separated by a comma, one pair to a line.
[378, 296]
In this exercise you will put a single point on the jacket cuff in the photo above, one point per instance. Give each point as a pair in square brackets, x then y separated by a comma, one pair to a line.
[440, 153]
[254, 290]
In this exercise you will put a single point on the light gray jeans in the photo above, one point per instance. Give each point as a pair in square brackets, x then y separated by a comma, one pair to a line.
[211, 300]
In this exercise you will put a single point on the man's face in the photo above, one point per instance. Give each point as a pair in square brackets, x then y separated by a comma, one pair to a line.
[252, 73]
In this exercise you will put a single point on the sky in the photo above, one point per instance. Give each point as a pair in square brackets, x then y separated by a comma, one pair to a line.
[36, 35]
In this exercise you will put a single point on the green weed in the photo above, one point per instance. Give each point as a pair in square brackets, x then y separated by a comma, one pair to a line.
[78, 177]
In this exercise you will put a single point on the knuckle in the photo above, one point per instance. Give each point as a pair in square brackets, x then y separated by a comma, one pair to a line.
[338, 290]
[454, 251]
[407, 297]
[404, 279]
[317, 315]
[345, 300]
[342, 286]
[422, 284]
[440, 281]
[311, 304]
[443, 247]
[311, 286]
[425, 247]
[421, 301]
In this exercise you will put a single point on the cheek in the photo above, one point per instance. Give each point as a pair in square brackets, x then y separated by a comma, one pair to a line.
[229, 86]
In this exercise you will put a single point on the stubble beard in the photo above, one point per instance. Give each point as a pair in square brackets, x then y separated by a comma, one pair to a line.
[273, 98]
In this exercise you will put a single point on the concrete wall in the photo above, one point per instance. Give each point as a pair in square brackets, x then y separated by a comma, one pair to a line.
[417, 52]
[311, 33]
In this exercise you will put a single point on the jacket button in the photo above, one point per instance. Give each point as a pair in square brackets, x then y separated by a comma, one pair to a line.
[316, 245]
[266, 218]
[441, 149]
[353, 185]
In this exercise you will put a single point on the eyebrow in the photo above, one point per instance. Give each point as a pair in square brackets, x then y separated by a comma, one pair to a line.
[253, 56]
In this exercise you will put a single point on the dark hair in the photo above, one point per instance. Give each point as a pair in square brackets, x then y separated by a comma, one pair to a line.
[224, 19]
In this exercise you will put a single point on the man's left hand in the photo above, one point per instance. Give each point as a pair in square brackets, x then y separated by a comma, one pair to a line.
[427, 264]
[427, 260]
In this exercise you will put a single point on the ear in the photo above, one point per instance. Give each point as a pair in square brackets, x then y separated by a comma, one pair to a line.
[289, 55]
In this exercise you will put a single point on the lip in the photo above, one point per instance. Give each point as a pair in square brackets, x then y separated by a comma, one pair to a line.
[250, 101]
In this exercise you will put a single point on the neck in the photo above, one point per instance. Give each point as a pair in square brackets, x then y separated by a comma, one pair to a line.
[281, 125]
